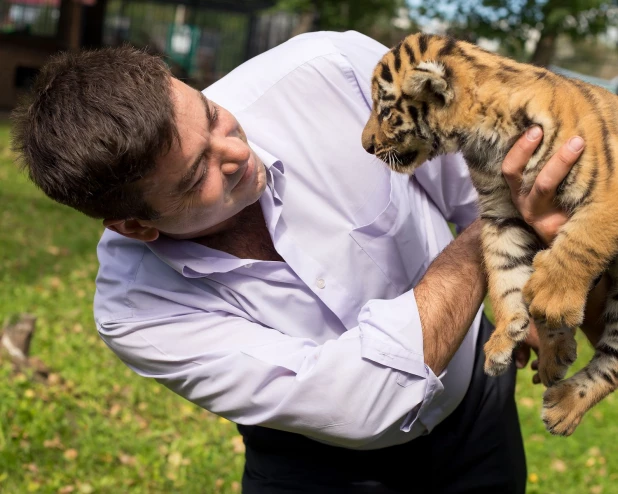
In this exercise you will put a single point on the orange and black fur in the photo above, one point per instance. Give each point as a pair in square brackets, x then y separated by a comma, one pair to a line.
[434, 95]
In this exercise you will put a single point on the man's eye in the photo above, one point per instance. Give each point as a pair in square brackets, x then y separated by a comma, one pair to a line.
[200, 181]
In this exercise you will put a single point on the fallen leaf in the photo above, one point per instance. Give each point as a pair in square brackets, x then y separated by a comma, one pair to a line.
[235, 486]
[594, 451]
[527, 402]
[590, 462]
[67, 489]
[175, 459]
[55, 282]
[127, 459]
[558, 465]
[596, 489]
[29, 394]
[70, 454]
[53, 379]
[54, 443]
[238, 445]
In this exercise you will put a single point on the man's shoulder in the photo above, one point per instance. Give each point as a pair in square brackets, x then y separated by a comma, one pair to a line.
[248, 82]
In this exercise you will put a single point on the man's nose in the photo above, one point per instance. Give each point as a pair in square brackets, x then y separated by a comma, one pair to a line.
[230, 167]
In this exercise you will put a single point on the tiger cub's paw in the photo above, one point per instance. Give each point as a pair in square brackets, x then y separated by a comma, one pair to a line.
[562, 410]
[499, 348]
[552, 295]
[557, 352]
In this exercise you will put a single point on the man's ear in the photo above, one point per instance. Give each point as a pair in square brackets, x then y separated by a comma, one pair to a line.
[132, 229]
[427, 82]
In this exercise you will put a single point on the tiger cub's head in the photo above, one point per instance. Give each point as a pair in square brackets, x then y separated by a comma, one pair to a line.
[411, 94]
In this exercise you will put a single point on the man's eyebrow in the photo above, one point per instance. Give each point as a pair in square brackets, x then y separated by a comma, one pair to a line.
[187, 178]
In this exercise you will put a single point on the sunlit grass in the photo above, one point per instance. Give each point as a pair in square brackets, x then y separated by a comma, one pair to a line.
[99, 428]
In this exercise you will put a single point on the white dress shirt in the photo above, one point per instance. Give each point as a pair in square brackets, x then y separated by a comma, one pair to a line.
[328, 343]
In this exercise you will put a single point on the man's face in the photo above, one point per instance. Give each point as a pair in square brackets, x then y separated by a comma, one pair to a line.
[207, 178]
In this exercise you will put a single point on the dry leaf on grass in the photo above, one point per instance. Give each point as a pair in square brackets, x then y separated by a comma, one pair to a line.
[71, 454]
[558, 465]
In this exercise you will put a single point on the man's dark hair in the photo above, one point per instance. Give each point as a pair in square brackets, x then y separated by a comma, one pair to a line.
[95, 123]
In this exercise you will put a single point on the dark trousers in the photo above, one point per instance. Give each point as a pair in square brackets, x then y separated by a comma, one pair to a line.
[477, 449]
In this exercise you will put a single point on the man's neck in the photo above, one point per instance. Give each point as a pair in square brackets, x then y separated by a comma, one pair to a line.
[246, 237]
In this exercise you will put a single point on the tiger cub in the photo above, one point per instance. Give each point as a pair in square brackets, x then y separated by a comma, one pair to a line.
[434, 95]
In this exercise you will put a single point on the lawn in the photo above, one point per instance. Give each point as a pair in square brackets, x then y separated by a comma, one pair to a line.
[96, 427]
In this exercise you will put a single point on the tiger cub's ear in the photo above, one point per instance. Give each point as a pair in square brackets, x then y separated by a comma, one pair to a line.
[427, 82]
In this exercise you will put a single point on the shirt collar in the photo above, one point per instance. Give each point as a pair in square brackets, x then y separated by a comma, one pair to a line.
[194, 260]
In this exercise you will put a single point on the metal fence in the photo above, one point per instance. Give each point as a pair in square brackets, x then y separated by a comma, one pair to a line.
[201, 44]
[30, 17]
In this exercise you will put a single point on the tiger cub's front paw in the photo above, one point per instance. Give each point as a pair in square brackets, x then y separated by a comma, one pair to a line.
[554, 298]
[499, 348]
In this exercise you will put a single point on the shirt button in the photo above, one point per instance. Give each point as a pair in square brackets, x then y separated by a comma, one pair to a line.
[320, 283]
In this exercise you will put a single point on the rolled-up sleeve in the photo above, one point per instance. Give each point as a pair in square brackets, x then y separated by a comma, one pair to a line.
[348, 391]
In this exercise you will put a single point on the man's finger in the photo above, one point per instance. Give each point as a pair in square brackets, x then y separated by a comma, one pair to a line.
[518, 156]
[522, 355]
[553, 173]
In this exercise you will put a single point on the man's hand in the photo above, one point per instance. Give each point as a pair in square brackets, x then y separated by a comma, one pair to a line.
[538, 207]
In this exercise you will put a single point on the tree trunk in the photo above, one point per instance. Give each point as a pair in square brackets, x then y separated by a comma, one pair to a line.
[545, 50]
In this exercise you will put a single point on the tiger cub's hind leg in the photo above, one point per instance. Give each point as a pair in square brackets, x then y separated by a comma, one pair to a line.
[508, 250]
[565, 404]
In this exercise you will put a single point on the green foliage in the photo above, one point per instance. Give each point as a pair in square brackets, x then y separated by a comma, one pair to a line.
[340, 15]
[97, 427]
[513, 22]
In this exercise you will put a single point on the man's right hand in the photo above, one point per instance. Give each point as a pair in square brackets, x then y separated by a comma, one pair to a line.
[538, 207]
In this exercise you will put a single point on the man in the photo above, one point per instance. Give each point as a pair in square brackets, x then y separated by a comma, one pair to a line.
[259, 263]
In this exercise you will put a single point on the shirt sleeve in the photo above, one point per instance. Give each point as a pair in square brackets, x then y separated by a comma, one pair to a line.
[347, 392]
[362, 54]
[446, 180]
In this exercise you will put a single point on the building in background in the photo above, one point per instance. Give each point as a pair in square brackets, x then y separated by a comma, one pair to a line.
[201, 40]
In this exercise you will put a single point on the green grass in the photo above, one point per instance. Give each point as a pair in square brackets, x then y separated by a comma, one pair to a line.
[100, 428]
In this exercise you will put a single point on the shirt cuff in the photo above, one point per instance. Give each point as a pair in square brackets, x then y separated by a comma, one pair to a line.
[392, 335]
[427, 421]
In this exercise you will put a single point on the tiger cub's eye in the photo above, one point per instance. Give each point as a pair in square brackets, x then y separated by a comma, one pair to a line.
[385, 113]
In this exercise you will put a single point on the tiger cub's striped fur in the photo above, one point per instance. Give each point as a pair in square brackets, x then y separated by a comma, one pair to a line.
[434, 95]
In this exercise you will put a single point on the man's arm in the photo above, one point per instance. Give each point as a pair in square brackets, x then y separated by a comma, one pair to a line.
[449, 296]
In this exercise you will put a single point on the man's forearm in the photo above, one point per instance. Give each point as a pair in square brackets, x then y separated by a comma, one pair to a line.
[449, 295]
